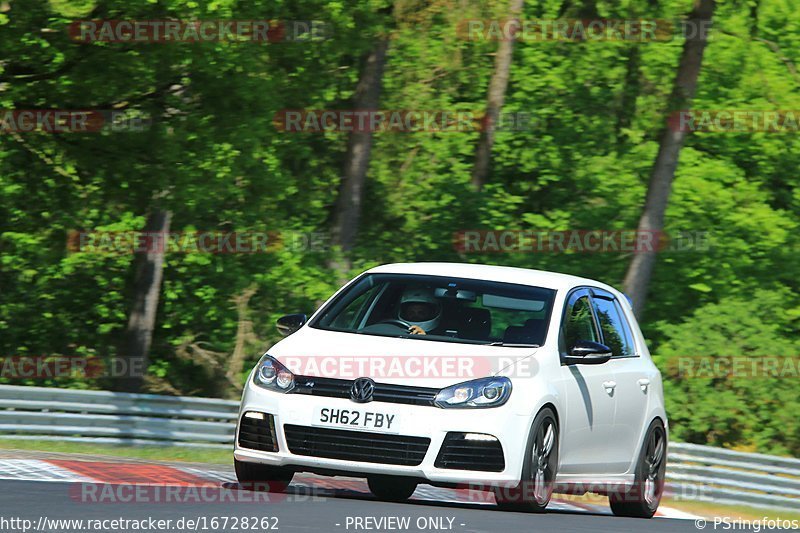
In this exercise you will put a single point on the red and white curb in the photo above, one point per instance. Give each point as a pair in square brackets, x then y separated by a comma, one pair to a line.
[147, 474]
[668, 512]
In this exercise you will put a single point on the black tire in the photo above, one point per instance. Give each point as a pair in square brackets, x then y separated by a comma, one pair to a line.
[642, 500]
[535, 489]
[255, 476]
[392, 488]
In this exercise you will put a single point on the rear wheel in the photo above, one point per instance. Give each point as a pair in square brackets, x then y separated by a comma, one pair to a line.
[539, 470]
[391, 488]
[255, 476]
[643, 499]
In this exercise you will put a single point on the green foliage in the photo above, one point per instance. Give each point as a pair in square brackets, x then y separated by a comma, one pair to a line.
[717, 392]
[215, 159]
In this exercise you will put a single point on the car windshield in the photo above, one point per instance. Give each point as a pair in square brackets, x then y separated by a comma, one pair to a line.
[444, 309]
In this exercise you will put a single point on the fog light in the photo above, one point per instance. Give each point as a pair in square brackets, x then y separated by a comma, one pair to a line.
[479, 436]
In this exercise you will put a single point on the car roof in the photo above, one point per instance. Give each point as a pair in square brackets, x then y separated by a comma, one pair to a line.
[524, 276]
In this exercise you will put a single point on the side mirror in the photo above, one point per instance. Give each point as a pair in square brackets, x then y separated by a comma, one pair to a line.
[288, 324]
[588, 353]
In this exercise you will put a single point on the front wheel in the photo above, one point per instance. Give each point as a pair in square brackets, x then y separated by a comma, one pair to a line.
[391, 488]
[255, 476]
[538, 471]
[643, 499]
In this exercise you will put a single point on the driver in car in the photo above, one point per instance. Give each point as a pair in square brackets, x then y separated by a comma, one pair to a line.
[421, 309]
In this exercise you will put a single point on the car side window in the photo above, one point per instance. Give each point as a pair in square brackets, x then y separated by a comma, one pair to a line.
[615, 329]
[626, 328]
[578, 323]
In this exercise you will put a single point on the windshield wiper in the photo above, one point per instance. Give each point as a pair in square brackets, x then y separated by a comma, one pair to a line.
[512, 344]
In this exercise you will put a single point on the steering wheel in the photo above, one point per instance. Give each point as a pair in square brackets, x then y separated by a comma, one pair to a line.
[396, 322]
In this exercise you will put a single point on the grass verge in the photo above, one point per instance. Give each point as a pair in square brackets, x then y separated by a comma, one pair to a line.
[710, 510]
[157, 453]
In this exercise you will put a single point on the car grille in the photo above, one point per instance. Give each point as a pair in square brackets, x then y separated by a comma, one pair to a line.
[356, 445]
[460, 454]
[384, 392]
[258, 433]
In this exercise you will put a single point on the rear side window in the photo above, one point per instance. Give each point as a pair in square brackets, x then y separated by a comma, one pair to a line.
[616, 332]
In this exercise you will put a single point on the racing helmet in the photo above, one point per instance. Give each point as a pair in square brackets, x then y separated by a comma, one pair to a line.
[420, 307]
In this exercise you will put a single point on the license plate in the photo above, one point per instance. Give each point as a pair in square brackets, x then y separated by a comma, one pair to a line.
[356, 419]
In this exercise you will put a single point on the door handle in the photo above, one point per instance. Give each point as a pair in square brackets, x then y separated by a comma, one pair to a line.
[609, 386]
[644, 383]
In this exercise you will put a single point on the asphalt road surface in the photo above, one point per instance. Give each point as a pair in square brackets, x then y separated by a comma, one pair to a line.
[60, 493]
[43, 502]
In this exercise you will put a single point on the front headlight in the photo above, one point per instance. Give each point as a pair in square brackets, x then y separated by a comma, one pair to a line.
[484, 392]
[271, 374]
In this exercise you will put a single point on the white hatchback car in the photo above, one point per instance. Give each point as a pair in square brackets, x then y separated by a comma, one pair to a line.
[516, 381]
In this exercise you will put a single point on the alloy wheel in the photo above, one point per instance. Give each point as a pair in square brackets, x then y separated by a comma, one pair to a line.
[654, 457]
[542, 472]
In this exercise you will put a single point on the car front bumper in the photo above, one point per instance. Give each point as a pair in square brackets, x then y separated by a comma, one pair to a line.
[509, 427]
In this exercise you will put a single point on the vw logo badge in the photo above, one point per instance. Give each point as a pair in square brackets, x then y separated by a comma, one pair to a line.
[361, 390]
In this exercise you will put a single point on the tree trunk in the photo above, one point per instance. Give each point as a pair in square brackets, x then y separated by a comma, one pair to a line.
[640, 269]
[245, 337]
[494, 101]
[348, 205]
[147, 289]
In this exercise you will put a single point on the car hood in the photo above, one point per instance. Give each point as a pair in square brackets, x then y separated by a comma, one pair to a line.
[396, 360]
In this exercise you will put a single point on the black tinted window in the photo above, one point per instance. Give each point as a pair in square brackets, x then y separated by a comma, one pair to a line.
[449, 309]
[579, 324]
[616, 334]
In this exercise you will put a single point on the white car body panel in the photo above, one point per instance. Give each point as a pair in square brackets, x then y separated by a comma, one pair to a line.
[601, 432]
